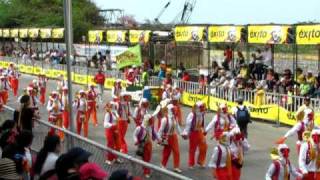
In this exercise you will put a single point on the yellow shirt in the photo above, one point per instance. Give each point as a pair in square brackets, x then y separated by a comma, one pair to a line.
[244, 72]
[311, 80]
[300, 78]
[259, 98]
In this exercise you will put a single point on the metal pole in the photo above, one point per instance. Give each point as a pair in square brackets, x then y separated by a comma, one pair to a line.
[68, 41]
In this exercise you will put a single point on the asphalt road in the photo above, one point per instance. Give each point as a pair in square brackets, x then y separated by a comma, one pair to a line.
[261, 137]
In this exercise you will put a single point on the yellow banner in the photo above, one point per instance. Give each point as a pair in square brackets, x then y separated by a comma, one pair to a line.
[29, 69]
[95, 36]
[33, 33]
[14, 33]
[37, 70]
[50, 73]
[90, 80]
[5, 64]
[190, 99]
[57, 33]
[1, 35]
[188, 33]
[23, 33]
[80, 79]
[308, 34]
[267, 34]
[138, 36]
[6, 33]
[116, 36]
[45, 33]
[22, 68]
[224, 33]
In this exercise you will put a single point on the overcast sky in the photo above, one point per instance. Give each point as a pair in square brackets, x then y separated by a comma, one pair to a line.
[222, 11]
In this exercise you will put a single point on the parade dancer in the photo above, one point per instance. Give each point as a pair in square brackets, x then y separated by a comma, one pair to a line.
[194, 131]
[299, 128]
[43, 87]
[221, 122]
[144, 134]
[55, 109]
[14, 79]
[92, 105]
[168, 133]
[80, 105]
[140, 111]
[176, 95]
[309, 156]
[220, 161]
[281, 167]
[4, 88]
[65, 103]
[111, 131]
[303, 110]
[61, 82]
[35, 85]
[116, 90]
[99, 79]
[124, 115]
[167, 93]
[157, 114]
[9, 71]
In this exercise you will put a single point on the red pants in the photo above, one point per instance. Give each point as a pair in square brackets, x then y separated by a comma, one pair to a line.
[236, 173]
[113, 141]
[173, 145]
[15, 86]
[222, 174]
[65, 117]
[197, 140]
[177, 109]
[4, 96]
[123, 126]
[92, 110]
[312, 176]
[147, 155]
[82, 120]
[58, 122]
[42, 95]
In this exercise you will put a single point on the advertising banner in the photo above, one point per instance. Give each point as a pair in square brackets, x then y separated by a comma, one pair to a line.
[14, 33]
[1, 35]
[224, 33]
[190, 99]
[33, 33]
[45, 33]
[6, 33]
[57, 33]
[116, 36]
[130, 57]
[95, 36]
[188, 33]
[23, 33]
[308, 34]
[139, 36]
[267, 34]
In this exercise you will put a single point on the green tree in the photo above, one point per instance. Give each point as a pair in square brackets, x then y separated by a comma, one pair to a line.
[49, 13]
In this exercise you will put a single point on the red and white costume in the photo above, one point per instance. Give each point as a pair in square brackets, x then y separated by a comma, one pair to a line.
[43, 87]
[61, 83]
[140, 111]
[143, 135]
[124, 115]
[194, 131]
[167, 93]
[4, 88]
[158, 112]
[55, 109]
[131, 78]
[65, 104]
[14, 79]
[221, 122]
[111, 131]
[176, 95]
[281, 168]
[168, 133]
[116, 90]
[80, 105]
[92, 105]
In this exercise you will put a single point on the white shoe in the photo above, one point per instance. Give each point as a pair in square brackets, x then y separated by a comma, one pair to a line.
[119, 161]
[109, 162]
[177, 170]
[162, 166]
[147, 176]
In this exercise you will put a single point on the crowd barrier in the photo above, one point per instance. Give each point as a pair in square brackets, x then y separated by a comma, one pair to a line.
[134, 165]
[274, 107]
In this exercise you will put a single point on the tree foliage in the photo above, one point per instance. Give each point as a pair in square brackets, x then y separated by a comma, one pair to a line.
[49, 13]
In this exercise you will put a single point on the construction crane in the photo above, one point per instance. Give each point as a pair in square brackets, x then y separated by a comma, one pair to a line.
[156, 20]
[184, 15]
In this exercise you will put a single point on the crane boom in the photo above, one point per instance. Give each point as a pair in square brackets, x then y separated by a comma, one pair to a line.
[162, 11]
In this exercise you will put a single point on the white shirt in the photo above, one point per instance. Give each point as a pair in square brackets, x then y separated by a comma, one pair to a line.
[115, 92]
[173, 126]
[110, 120]
[303, 166]
[290, 169]
[143, 111]
[51, 105]
[124, 110]
[49, 163]
[222, 122]
[267, 57]
[214, 158]
[198, 124]
[80, 104]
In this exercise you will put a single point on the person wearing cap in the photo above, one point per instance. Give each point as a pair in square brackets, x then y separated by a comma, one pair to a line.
[65, 104]
[176, 95]
[140, 111]
[143, 136]
[168, 133]
[80, 104]
[8, 170]
[302, 112]
[220, 161]
[242, 116]
[194, 131]
[4, 88]
[116, 90]
[111, 127]
[43, 87]
[61, 82]
[281, 167]
[131, 78]
[92, 105]
[122, 174]
[162, 72]
[124, 114]
[92, 171]
[157, 114]
[309, 155]
[100, 79]
[221, 122]
[167, 93]
[55, 110]
[14, 79]
[299, 128]
[35, 85]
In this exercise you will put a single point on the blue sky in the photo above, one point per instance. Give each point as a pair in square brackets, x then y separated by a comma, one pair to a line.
[223, 11]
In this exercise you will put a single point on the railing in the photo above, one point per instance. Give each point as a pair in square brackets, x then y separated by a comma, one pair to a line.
[99, 151]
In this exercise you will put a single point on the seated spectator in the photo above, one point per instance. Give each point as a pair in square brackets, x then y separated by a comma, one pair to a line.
[299, 76]
[8, 170]
[122, 174]
[311, 80]
[47, 157]
[304, 87]
[244, 71]
[92, 171]
[270, 79]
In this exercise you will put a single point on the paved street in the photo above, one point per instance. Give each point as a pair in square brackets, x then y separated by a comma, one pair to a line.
[262, 135]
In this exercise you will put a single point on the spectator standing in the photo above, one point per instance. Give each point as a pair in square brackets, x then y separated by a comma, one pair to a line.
[100, 79]
[25, 116]
[267, 56]
[228, 56]
[260, 96]
[259, 65]
[162, 71]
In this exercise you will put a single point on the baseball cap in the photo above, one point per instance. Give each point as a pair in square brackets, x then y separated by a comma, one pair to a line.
[122, 174]
[78, 154]
[8, 169]
[92, 170]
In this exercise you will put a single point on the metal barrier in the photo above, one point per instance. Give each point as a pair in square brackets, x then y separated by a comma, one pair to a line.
[99, 151]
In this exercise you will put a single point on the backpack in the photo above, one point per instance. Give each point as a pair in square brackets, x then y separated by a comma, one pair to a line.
[243, 116]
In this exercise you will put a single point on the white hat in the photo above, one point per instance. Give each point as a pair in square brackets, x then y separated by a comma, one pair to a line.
[315, 132]
[131, 70]
[282, 146]
[164, 103]
[199, 103]
[34, 81]
[162, 62]
[124, 94]
[65, 88]
[81, 91]
[118, 80]
[29, 88]
[170, 106]
[222, 105]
